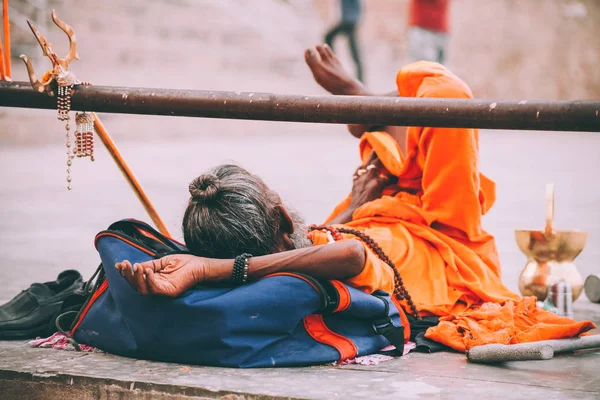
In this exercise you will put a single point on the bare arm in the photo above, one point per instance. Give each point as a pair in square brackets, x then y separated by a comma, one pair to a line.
[341, 260]
[173, 275]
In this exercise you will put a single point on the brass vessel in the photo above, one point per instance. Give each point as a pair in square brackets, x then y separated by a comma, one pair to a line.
[550, 256]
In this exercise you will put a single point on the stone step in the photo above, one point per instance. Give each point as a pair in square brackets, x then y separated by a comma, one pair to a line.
[33, 373]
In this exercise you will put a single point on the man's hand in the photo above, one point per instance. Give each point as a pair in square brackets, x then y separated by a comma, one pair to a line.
[169, 276]
[369, 182]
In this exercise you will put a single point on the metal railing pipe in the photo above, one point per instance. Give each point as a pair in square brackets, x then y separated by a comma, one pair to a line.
[464, 113]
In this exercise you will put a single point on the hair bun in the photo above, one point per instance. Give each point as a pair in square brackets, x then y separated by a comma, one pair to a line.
[204, 188]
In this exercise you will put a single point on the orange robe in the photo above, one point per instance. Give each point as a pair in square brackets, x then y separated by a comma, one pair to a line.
[429, 224]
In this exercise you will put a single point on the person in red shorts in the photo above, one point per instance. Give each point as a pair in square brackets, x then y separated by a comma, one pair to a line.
[428, 32]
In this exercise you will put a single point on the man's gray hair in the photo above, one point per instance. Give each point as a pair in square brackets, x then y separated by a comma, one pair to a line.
[231, 212]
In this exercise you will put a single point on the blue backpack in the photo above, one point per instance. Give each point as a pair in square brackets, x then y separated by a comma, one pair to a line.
[284, 319]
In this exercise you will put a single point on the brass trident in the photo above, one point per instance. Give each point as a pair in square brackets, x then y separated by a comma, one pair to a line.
[60, 66]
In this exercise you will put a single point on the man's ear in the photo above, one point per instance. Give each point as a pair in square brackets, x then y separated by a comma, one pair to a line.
[286, 224]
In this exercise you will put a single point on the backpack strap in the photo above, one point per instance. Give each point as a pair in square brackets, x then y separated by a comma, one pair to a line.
[146, 230]
[143, 232]
[69, 314]
[332, 299]
[385, 327]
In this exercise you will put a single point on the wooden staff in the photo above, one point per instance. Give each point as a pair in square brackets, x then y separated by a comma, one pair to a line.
[6, 24]
[133, 182]
[2, 70]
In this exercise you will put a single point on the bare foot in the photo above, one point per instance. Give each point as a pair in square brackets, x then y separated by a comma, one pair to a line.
[331, 75]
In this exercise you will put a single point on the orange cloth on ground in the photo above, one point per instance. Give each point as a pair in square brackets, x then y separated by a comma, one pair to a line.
[429, 224]
[507, 323]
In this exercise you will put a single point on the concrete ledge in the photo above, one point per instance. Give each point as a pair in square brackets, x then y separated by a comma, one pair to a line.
[29, 373]
[27, 386]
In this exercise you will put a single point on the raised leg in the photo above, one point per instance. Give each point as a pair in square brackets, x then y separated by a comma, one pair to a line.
[331, 75]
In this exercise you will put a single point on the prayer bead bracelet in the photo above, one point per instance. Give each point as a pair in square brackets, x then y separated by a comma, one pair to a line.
[239, 275]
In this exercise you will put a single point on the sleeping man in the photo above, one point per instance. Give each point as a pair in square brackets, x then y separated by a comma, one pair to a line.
[411, 226]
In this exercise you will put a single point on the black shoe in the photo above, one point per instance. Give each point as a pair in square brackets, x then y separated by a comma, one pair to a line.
[31, 313]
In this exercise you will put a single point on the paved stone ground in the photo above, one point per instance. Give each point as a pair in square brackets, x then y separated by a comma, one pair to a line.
[32, 374]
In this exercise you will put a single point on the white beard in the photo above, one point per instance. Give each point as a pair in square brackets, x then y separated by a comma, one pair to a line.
[298, 238]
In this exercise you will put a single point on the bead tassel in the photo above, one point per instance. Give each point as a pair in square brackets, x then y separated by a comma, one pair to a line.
[84, 136]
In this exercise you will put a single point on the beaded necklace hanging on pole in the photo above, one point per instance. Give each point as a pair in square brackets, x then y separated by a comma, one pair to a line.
[400, 291]
[65, 82]
[84, 122]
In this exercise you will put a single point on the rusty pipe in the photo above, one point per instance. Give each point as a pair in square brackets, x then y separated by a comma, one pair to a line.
[465, 113]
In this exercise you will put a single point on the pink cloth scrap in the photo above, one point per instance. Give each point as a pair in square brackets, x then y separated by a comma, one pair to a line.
[374, 359]
[60, 341]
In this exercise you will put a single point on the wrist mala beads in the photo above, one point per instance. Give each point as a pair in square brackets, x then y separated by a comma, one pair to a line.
[400, 291]
[239, 275]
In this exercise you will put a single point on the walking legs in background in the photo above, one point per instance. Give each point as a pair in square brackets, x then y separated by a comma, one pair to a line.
[349, 30]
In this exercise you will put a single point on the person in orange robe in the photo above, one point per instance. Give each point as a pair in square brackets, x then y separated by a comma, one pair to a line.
[429, 220]
[419, 195]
